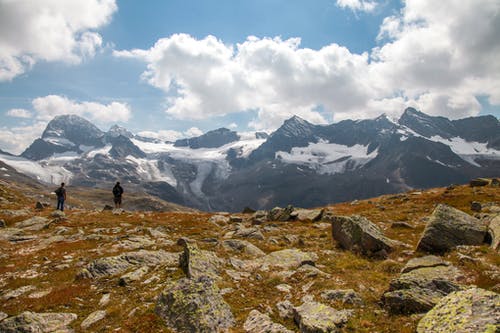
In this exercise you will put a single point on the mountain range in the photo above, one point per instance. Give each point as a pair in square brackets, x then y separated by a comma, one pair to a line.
[300, 163]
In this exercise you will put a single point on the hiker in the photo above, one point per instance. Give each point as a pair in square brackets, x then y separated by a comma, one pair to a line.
[61, 197]
[117, 193]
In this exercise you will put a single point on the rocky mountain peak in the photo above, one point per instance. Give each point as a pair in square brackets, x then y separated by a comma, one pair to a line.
[117, 130]
[212, 139]
[75, 129]
[294, 127]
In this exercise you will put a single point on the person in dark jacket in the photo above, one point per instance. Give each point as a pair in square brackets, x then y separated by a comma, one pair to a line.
[117, 194]
[61, 197]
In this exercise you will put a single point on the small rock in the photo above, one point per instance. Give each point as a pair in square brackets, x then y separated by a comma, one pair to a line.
[235, 219]
[253, 233]
[104, 299]
[118, 211]
[39, 206]
[494, 233]
[346, 296]
[475, 206]
[284, 288]
[2, 224]
[93, 318]
[17, 292]
[495, 182]
[312, 317]
[243, 247]
[402, 225]
[37, 322]
[312, 215]
[58, 214]
[285, 309]
[258, 323]
[197, 263]
[219, 220]
[35, 223]
[3, 315]
[133, 276]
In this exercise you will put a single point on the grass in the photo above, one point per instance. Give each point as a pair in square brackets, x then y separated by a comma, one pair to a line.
[131, 308]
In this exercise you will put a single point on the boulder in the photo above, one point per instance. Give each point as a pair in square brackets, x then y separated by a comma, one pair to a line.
[258, 322]
[494, 233]
[133, 276]
[197, 263]
[495, 182]
[39, 206]
[358, 234]
[259, 217]
[287, 259]
[194, 305]
[475, 206]
[313, 317]
[2, 224]
[93, 318]
[219, 220]
[235, 219]
[423, 282]
[243, 247]
[109, 266]
[467, 311]
[479, 182]
[252, 232]
[37, 322]
[58, 214]
[281, 214]
[312, 215]
[448, 227]
[35, 223]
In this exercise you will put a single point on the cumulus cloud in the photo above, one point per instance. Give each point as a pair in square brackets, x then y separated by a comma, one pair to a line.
[193, 132]
[436, 56]
[16, 139]
[357, 5]
[19, 113]
[49, 30]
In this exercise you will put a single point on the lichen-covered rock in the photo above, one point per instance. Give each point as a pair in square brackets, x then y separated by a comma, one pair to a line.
[281, 214]
[494, 233]
[242, 246]
[35, 223]
[422, 284]
[197, 263]
[358, 234]
[17, 292]
[119, 264]
[313, 317]
[219, 220]
[468, 311]
[261, 323]
[194, 305]
[93, 318]
[346, 296]
[252, 232]
[448, 227]
[32, 322]
[287, 259]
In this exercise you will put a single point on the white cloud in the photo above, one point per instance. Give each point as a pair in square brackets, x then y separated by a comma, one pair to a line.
[164, 135]
[357, 5]
[49, 30]
[232, 126]
[16, 139]
[436, 56]
[193, 132]
[46, 108]
[19, 113]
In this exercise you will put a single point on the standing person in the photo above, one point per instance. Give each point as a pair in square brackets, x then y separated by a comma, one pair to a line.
[117, 193]
[61, 197]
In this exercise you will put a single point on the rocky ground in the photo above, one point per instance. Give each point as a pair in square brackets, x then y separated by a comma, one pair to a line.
[422, 261]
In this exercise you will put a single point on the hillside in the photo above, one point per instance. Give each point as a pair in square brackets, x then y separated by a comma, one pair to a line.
[53, 263]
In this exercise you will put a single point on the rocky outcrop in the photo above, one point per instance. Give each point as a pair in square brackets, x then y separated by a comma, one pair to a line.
[258, 322]
[194, 305]
[133, 276]
[252, 232]
[494, 233]
[448, 227]
[93, 318]
[312, 215]
[281, 214]
[287, 259]
[423, 282]
[242, 246]
[313, 317]
[35, 223]
[110, 266]
[37, 322]
[197, 263]
[359, 234]
[468, 311]
[477, 182]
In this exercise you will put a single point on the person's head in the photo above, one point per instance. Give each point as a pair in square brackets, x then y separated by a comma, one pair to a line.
[62, 184]
[117, 183]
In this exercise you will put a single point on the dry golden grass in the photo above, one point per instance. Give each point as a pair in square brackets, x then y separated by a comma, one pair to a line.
[131, 308]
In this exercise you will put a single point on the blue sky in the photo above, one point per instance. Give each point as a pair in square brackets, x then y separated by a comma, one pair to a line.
[152, 67]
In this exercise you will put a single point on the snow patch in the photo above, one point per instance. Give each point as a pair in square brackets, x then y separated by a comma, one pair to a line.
[149, 170]
[469, 151]
[43, 171]
[103, 151]
[59, 141]
[328, 158]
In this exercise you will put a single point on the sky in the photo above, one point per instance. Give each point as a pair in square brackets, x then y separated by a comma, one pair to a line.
[178, 68]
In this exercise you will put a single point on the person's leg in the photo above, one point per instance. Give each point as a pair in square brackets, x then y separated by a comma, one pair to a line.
[62, 205]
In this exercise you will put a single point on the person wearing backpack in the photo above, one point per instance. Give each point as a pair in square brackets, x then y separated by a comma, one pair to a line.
[117, 194]
[61, 197]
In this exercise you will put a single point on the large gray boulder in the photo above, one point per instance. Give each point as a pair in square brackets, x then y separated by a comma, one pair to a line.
[36, 223]
[313, 317]
[359, 234]
[468, 311]
[31, 322]
[422, 284]
[194, 305]
[110, 266]
[312, 215]
[197, 263]
[448, 227]
[281, 214]
[258, 323]
[494, 232]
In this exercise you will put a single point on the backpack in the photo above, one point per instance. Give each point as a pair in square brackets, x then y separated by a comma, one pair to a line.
[59, 192]
[116, 191]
